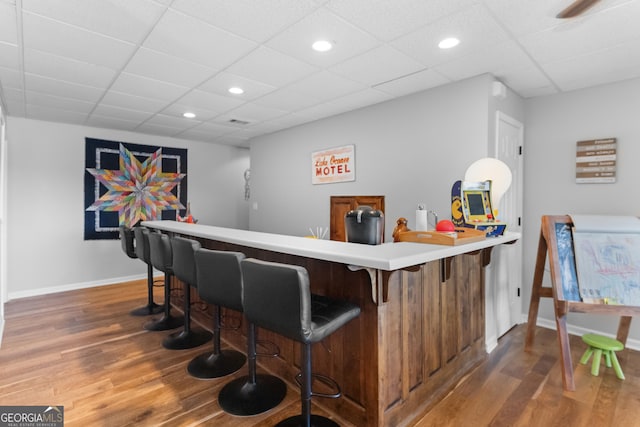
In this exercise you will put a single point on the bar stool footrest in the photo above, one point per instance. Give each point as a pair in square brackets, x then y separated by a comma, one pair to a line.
[272, 348]
[328, 381]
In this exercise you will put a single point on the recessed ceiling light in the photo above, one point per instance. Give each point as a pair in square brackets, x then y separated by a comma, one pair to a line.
[236, 90]
[322, 46]
[448, 43]
[189, 115]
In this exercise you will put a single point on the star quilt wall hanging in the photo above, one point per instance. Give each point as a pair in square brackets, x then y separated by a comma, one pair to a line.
[127, 183]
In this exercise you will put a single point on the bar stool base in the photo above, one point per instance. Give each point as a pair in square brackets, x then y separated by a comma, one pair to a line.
[147, 310]
[165, 323]
[183, 340]
[209, 365]
[316, 421]
[240, 397]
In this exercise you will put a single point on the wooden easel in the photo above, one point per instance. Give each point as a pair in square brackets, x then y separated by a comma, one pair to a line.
[548, 244]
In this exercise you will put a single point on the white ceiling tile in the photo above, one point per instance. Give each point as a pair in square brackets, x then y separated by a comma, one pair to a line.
[325, 85]
[495, 59]
[111, 122]
[271, 67]
[253, 113]
[10, 78]
[128, 101]
[15, 101]
[528, 81]
[9, 56]
[66, 40]
[51, 101]
[177, 110]
[156, 129]
[422, 80]
[192, 39]
[8, 29]
[69, 70]
[377, 66]
[54, 87]
[74, 54]
[323, 25]
[40, 112]
[147, 88]
[390, 19]
[160, 66]
[179, 123]
[121, 19]
[536, 15]
[256, 20]
[581, 36]
[474, 27]
[222, 81]
[209, 130]
[108, 111]
[209, 101]
[608, 65]
[318, 112]
[288, 99]
[195, 135]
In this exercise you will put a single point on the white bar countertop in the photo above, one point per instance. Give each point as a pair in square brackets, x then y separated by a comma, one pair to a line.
[387, 256]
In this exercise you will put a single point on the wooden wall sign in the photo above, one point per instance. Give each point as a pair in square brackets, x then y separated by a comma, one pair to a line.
[596, 161]
[333, 165]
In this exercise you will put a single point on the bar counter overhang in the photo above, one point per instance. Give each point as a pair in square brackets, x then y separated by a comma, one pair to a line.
[420, 331]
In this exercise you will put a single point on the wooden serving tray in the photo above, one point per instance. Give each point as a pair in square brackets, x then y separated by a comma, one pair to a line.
[459, 237]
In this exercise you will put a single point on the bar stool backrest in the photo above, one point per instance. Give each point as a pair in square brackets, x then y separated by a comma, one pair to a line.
[142, 244]
[126, 240]
[220, 277]
[277, 297]
[184, 263]
[161, 255]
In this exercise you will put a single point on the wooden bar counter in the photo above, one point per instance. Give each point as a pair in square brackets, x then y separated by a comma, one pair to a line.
[420, 331]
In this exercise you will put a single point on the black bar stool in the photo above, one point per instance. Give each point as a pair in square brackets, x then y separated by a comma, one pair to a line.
[161, 258]
[140, 250]
[254, 393]
[220, 284]
[184, 268]
[295, 313]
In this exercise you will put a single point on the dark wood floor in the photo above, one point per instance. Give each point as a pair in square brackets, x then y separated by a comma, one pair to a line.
[82, 350]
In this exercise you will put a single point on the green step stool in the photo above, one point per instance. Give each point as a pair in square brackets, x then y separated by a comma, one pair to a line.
[602, 345]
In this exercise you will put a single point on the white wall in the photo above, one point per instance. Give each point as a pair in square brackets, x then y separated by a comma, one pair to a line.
[554, 125]
[411, 150]
[46, 250]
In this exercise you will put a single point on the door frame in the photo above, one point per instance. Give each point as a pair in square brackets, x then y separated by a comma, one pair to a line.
[514, 269]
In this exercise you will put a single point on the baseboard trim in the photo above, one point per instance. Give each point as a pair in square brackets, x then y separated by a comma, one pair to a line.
[633, 344]
[72, 287]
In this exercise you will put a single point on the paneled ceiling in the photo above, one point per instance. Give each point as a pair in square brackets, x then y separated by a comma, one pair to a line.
[138, 65]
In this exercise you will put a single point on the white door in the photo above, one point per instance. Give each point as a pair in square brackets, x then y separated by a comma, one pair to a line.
[508, 258]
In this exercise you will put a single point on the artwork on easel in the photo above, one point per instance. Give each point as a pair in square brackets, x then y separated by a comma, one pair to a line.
[608, 267]
[127, 183]
[567, 263]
